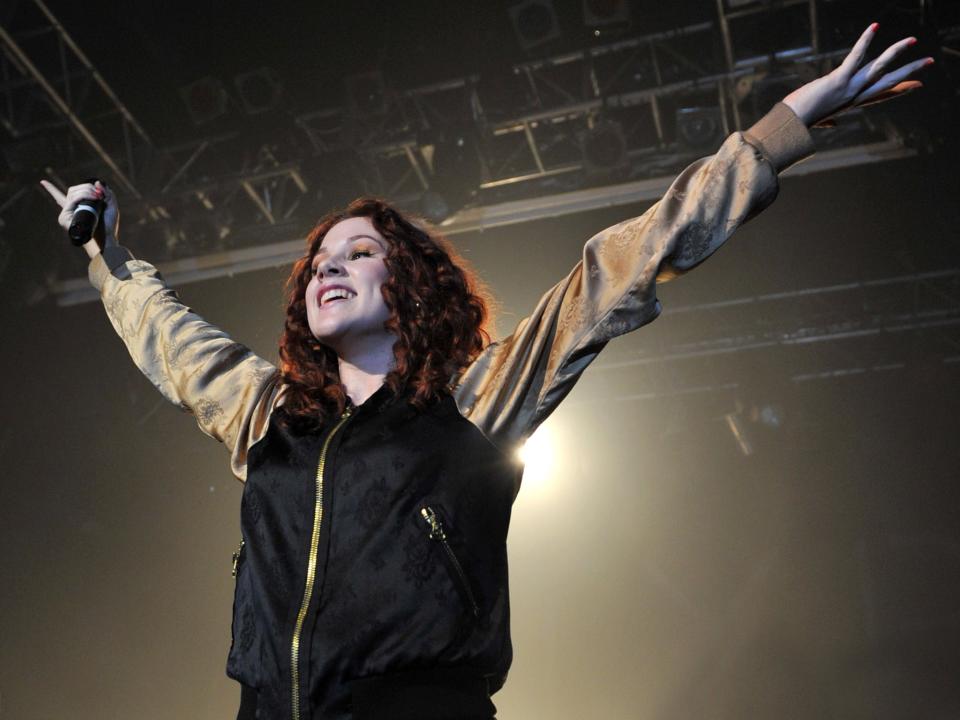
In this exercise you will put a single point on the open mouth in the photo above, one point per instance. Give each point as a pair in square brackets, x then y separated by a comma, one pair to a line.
[336, 295]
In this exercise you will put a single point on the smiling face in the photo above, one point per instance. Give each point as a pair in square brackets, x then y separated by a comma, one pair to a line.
[345, 308]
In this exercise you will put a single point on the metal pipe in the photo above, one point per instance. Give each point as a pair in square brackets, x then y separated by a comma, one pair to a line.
[408, 150]
[258, 201]
[531, 141]
[183, 168]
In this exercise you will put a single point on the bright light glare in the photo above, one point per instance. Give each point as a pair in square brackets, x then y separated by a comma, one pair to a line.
[537, 455]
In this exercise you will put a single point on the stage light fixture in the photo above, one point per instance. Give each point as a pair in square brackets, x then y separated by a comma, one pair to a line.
[258, 89]
[535, 23]
[699, 128]
[206, 99]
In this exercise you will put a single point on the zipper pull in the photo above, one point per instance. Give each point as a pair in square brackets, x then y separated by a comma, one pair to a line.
[236, 558]
[436, 526]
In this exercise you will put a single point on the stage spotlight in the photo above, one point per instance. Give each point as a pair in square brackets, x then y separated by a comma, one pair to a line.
[535, 23]
[538, 455]
[603, 147]
[206, 99]
[699, 128]
[258, 89]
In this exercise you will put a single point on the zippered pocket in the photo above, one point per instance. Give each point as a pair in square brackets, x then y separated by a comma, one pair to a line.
[237, 556]
[438, 533]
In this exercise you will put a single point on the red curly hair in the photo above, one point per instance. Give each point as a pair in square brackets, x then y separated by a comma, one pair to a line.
[439, 313]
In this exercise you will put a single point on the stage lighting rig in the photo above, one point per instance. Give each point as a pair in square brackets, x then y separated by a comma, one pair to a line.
[206, 99]
[259, 90]
[699, 129]
[535, 23]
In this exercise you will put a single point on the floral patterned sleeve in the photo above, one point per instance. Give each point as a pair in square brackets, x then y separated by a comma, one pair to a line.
[516, 383]
[229, 390]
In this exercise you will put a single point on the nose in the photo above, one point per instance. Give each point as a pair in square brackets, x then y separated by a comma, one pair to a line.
[329, 266]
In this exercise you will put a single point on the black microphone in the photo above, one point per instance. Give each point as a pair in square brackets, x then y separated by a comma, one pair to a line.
[86, 216]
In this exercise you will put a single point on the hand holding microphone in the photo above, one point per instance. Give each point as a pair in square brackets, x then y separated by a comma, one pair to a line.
[89, 214]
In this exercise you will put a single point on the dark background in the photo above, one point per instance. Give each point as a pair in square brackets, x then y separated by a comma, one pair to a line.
[657, 571]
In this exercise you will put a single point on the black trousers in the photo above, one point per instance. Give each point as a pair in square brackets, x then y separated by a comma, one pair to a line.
[435, 694]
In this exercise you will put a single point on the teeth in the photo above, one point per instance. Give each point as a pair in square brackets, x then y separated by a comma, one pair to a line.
[336, 293]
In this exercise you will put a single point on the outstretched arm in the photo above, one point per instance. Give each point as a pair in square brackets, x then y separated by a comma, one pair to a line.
[229, 390]
[516, 383]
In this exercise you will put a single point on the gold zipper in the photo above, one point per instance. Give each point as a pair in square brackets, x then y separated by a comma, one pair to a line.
[236, 557]
[439, 533]
[311, 570]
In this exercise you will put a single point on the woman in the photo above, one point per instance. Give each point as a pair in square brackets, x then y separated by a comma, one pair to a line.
[372, 576]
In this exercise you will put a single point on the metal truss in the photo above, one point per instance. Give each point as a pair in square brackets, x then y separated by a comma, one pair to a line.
[268, 255]
[50, 86]
[487, 150]
[838, 331]
[54, 103]
[870, 308]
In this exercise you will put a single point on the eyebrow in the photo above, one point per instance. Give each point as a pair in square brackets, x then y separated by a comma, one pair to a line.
[353, 238]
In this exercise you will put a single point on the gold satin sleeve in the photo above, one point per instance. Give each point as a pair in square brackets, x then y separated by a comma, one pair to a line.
[517, 382]
[229, 390]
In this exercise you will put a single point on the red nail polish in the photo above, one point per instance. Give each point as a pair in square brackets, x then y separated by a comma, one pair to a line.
[911, 42]
[929, 61]
[874, 27]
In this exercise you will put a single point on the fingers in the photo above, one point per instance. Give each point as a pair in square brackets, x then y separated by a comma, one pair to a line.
[899, 89]
[74, 196]
[855, 59]
[893, 83]
[76, 193]
[54, 191]
[876, 67]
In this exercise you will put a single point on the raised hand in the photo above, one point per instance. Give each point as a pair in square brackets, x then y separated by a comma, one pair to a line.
[106, 233]
[854, 83]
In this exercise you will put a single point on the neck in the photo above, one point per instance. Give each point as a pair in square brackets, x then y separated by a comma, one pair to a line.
[362, 373]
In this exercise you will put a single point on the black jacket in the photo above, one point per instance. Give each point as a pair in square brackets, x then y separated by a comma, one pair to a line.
[409, 559]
